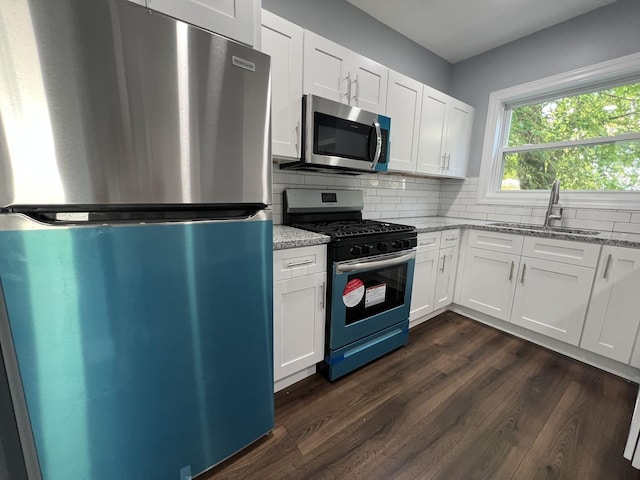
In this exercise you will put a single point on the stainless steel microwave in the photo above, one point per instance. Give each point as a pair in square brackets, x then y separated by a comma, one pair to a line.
[342, 138]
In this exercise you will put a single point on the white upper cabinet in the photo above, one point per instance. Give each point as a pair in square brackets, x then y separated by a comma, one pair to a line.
[236, 19]
[431, 158]
[326, 68]
[613, 317]
[458, 138]
[404, 99]
[335, 72]
[445, 135]
[282, 40]
[368, 84]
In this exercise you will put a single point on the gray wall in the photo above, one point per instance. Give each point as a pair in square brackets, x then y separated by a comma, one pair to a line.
[343, 23]
[603, 34]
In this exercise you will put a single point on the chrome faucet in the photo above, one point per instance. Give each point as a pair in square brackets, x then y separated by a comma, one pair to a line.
[553, 200]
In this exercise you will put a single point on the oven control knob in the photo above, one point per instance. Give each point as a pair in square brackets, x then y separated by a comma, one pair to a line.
[357, 250]
[366, 249]
[382, 246]
[396, 244]
[406, 244]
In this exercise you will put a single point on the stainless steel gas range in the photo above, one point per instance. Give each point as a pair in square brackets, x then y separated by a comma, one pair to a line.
[370, 268]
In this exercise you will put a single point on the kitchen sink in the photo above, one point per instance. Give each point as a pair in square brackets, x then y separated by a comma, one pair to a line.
[541, 228]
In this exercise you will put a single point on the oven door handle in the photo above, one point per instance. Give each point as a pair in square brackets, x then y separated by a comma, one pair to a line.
[388, 262]
[378, 151]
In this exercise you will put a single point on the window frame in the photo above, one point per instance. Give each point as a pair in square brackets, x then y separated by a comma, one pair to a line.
[498, 118]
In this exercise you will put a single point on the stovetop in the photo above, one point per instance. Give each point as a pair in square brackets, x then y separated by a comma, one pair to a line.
[354, 228]
[338, 214]
[362, 238]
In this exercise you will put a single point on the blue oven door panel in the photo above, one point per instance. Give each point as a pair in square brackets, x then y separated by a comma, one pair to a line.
[341, 332]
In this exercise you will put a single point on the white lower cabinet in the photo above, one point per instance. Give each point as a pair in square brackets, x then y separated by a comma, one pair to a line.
[551, 298]
[446, 277]
[488, 281]
[299, 296]
[435, 272]
[554, 285]
[424, 275]
[614, 310]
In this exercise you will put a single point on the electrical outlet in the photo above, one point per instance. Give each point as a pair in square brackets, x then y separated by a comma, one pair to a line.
[185, 473]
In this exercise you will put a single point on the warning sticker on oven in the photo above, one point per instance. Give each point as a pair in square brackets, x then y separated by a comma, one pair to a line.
[353, 292]
[375, 295]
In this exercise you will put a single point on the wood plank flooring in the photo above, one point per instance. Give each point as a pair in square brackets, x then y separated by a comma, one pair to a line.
[461, 401]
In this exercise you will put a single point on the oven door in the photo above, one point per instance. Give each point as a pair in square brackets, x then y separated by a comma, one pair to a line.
[369, 295]
[344, 137]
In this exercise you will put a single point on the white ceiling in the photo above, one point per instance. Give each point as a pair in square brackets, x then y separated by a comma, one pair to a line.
[459, 29]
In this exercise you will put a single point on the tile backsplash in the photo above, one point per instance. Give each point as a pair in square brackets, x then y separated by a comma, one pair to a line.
[458, 199]
[396, 195]
[385, 196]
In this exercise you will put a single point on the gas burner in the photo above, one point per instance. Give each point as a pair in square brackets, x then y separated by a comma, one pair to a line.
[353, 228]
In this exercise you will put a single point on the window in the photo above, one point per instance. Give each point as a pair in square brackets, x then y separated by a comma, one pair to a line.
[582, 127]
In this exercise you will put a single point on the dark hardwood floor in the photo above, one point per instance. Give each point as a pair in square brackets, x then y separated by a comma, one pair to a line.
[461, 401]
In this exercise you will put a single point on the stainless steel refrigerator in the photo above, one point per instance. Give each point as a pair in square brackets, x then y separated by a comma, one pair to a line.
[135, 243]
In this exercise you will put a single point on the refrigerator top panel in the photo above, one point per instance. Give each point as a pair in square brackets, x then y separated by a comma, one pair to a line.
[105, 103]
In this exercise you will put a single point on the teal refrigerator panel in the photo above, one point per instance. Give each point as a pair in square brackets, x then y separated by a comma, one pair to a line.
[143, 350]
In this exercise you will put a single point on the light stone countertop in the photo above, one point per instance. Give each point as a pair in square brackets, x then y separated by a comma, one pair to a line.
[430, 224]
[289, 237]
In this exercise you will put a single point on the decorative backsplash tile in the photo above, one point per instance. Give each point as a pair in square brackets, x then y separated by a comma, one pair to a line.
[395, 195]
[458, 199]
[385, 196]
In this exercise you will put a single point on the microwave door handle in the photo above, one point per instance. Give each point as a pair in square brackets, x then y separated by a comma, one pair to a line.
[376, 155]
[389, 262]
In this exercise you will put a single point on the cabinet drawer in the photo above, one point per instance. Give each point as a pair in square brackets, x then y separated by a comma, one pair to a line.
[496, 241]
[449, 238]
[296, 262]
[428, 241]
[564, 251]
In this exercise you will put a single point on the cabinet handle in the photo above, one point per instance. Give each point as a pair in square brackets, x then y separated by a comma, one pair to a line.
[444, 162]
[524, 269]
[348, 92]
[299, 264]
[297, 133]
[322, 296]
[452, 237]
[606, 267]
[444, 258]
[428, 243]
[357, 90]
[513, 264]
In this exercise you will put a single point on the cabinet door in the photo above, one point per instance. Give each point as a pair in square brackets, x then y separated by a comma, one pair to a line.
[298, 323]
[551, 298]
[404, 99]
[326, 68]
[232, 18]
[368, 84]
[282, 40]
[614, 310]
[446, 277]
[431, 155]
[458, 139]
[488, 282]
[424, 282]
